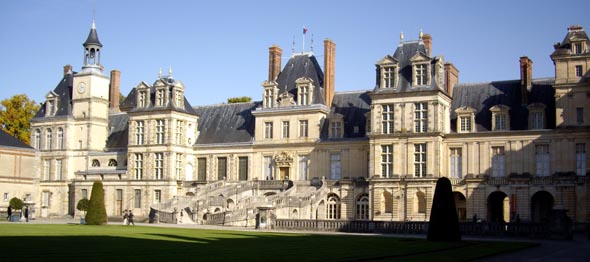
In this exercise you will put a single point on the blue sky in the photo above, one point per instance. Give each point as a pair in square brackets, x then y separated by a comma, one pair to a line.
[219, 49]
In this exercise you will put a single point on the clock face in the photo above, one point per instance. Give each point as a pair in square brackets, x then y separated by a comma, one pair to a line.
[81, 88]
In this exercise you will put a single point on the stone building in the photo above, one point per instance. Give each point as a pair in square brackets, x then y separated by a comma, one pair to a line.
[305, 151]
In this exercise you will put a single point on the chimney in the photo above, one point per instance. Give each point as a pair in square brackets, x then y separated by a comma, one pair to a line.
[114, 91]
[427, 40]
[451, 78]
[274, 62]
[526, 78]
[329, 62]
[67, 68]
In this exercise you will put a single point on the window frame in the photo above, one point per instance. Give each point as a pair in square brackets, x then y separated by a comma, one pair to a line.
[387, 119]
[387, 161]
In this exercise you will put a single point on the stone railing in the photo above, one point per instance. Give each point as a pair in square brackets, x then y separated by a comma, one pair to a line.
[542, 180]
[455, 181]
[158, 216]
[273, 184]
[498, 181]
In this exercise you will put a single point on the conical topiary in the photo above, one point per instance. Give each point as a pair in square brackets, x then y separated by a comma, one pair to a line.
[97, 214]
[444, 222]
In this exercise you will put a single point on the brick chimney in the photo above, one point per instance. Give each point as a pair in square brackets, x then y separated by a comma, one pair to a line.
[427, 40]
[274, 62]
[114, 91]
[67, 68]
[526, 78]
[329, 62]
[451, 78]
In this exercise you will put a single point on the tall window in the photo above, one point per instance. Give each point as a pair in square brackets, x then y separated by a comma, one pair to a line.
[159, 167]
[178, 167]
[243, 168]
[157, 196]
[333, 207]
[455, 162]
[579, 115]
[362, 207]
[387, 119]
[579, 71]
[179, 131]
[387, 161]
[139, 133]
[45, 201]
[138, 166]
[58, 169]
[303, 167]
[285, 129]
[48, 138]
[142, 99]
[542, 157]
[304, 95]
[137, 198]
[421, 117]
[497, 161]
[465, 123]
[179, 99]
[268, 130]
[421, 197]
[335, 166]
[37, 139]
[303, 130]
[268, 98]
[536, 120]
[85, 193]
[387, 202]
[500, 122]
[336, 129]
[47, 170]
[420, 160]
[421, 74]
[581, 159]
[221, 168]
[160, 131]
[577, 48]
[202, 169]
[119, 201]
[160, 97]
[60, 138]
[268, 168]
[388, 77]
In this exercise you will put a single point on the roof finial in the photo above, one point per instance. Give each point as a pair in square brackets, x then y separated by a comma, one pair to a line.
[401, 36]
[311, 46]
[421, 33]
[93, 26]
[170, 72]
[160, 73]
[293, 48]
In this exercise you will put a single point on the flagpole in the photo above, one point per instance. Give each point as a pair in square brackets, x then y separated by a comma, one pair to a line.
[303, 44]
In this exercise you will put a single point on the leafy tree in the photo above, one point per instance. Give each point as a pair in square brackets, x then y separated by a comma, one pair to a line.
[242, 99]
[83, 205]
[444, 222]
[16, 203]
[97, 214]
[16, 114]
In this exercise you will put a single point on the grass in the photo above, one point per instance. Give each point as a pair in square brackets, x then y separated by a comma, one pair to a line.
[37, 242]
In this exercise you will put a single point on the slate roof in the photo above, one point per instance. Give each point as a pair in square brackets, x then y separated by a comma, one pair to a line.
[575, 33]
[118, 131]
[302, 65]
[352, 106]
[10, 141]
[226, 123]
[483, 96]
[92, 38]
[130, 102]
[64, 92]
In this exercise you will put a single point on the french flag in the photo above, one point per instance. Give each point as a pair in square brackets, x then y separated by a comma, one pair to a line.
[304, 30]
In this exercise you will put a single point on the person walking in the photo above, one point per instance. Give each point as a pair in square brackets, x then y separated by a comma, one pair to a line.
[130, 217]
[9, 211]
[27, 213]
[126, 218]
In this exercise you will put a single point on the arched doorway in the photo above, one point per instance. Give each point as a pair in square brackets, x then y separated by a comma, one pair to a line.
[461, 205]
[541, 206]
[230, 204]
[498, 207]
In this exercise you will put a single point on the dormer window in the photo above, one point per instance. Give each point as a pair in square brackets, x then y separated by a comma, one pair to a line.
[389, 76]
[336, 127]
[500, 118]
[142, 99]
[160, 97]
[465, 119]
[51, 104]
[304, 91]
[421, 74]
[536, 116]
[577, 48]
[270, 94]
[178, 98]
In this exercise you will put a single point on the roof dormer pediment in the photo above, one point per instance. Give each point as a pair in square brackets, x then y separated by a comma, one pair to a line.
[419, 57]
[51, 95]
[143, 85]
[303, 80]
[387, 60]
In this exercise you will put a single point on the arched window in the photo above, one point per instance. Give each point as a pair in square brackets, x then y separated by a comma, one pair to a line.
[95, 163]
[333, 207]
[362, 207]
[112, 162]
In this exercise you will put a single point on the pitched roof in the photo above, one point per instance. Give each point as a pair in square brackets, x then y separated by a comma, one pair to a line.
[92, 38]
[483, 96]
[10, 141]
[302, 65]
[352, 106]
[130, 102]
[226, 123]
[118, 131]
[64, 93]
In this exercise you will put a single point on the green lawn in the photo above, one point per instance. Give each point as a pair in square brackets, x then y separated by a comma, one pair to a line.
[36, 242]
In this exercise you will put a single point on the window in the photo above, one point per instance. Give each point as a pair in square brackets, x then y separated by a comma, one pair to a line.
[60, 138]
[285, 129]
[387, 161]
[37, 139]
[303, 167]
[580, 115]
[138, 166]
[139, 133]
[303, 130]
[160, 131]
[45, 201]
[333, 207]
[268, 98]
[579, 71]
[542, 159]
[112, 162]
[335, 166]
[142, 99]
[47, 170]
[421, 202]
[420, 160]
[537, 120]
[221, 168]
[160, 97]
[268, 130]
[577, 48]
[497, 161]
[58, 169]
[387, 119]
[179, 131]
[455, 162]
[243, 168]
[465, 123]
[336, 129]
[48, 138]
[387, 202]
[157, 196]
[389, 77]
[362, 207]
[179, 99]
[50, 108]
[581, 159]
[159, 167]
[268, 168]
[421, 117]
[119, 201]
[202, 169]
[178, 167]
[85, 193]
[95, 163]
[500, 122]
[421, 74]
[137, 198]
[5, 197]
[304, 95]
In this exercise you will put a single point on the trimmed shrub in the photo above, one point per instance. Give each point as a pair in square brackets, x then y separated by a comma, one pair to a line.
[444, 222]
[16, 203]
[83, 205]
[97, 214]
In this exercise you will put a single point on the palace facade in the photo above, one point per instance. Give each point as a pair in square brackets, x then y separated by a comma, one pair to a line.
[513, 148]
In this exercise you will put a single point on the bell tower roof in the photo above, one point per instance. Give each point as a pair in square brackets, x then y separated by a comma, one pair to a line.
[92, 37]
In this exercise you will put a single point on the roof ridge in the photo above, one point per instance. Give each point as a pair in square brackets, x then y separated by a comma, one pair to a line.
[226, 104]
[507, 80]
[353, 91]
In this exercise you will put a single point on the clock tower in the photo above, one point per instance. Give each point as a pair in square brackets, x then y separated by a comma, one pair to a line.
[90, 98]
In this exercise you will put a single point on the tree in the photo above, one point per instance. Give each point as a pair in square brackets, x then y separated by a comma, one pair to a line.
[242, 99]
[16, 114]
[16, 203]
[97, 213]
[444, 222]
[83, 205]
